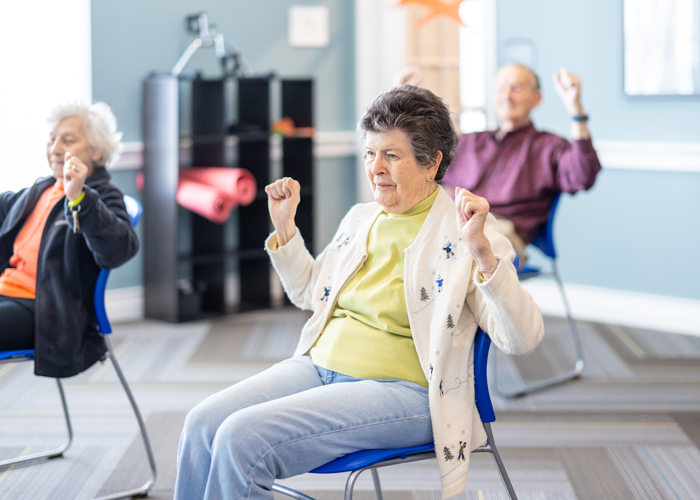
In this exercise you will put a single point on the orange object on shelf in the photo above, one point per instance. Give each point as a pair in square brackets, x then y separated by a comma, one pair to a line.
[286, 128]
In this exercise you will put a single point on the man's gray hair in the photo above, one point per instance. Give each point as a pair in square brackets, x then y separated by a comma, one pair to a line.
[535, 77]
[422, 115]
[99, 125]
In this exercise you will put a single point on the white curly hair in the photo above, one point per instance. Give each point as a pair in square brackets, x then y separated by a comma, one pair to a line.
[99, 124]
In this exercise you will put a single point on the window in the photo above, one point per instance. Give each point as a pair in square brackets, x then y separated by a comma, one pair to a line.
[662, 47]
[45, 60]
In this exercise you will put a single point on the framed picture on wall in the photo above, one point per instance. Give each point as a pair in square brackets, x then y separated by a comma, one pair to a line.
[661, 47]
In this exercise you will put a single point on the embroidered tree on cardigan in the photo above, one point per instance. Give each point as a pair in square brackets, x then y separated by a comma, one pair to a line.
[450, 322]
[448, 454]
[424, 294]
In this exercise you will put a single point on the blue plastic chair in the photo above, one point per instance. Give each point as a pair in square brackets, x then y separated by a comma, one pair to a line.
[134, 209]
[545, 242]
[360, 461]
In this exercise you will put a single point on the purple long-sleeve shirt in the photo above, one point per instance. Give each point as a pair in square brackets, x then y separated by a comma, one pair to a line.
[521, 174]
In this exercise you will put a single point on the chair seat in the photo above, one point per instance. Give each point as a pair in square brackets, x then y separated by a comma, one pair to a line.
[366, 458]
[27, 354]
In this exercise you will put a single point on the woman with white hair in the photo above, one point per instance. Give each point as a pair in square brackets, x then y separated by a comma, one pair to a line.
[55, 236]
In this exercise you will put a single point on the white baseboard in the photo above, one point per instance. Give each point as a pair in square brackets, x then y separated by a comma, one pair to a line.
[589, 303]
[619, 307]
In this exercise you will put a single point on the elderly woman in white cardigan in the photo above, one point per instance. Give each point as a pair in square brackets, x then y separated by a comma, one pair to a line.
[386, 359]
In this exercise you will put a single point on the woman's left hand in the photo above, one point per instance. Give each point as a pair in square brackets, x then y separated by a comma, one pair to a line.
[471, 216]
[74, 174]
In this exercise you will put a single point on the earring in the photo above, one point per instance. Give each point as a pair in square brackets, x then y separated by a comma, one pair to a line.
[430, 178]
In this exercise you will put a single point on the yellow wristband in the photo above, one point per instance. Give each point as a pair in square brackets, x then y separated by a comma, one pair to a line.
[77, 201]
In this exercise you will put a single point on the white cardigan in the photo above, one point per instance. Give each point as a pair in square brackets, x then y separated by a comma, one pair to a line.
[443, 319]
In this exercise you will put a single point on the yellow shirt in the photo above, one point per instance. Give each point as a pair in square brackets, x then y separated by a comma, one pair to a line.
[368, 334]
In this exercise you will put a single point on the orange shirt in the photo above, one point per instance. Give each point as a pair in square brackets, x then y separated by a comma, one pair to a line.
[19, 280]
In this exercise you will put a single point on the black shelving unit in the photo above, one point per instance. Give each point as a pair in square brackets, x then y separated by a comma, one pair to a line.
[197, 122]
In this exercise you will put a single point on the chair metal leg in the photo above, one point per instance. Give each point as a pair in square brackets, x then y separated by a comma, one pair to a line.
[350, 484]
[572, 323]
[578, 351]
[352, 478]
[491, 448]
[290, 492]
[143, 490]
[49, 454]
[377, 484]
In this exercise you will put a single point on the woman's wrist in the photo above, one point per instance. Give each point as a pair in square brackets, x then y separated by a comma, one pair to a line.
[285, 233]
[483, 255]
[73, 201]
[486, 273]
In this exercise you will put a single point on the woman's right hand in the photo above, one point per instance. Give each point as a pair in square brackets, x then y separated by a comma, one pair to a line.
[282, 201]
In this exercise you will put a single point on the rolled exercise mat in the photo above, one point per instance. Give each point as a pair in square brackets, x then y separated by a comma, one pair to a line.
[204, 200]
[214, 204]
[238, 183]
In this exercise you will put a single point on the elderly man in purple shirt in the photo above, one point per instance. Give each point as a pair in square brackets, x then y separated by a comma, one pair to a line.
[518, 168]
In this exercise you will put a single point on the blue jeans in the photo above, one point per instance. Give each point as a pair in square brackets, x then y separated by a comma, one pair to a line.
[289, 420]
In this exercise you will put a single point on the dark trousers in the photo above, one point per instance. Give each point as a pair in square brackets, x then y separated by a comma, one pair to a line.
[16, 323]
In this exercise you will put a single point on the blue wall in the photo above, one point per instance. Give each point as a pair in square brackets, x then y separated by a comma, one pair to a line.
[133, 38]
[635, 230]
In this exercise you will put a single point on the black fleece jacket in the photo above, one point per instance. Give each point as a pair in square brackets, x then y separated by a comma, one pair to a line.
[66, 337]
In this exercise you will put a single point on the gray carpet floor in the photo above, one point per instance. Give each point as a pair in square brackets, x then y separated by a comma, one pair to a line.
[629, 429]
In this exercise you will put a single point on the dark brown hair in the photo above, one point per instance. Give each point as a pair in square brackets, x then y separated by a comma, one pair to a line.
[422, 115]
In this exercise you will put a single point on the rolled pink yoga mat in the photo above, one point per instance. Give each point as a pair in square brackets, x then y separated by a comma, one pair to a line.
[204, 200]
[238, 183]
[213, 192]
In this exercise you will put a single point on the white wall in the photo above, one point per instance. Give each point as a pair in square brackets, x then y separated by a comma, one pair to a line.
[45, 59]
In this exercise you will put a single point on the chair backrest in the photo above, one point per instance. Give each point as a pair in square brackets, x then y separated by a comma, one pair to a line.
[482, 343]
[545, 238]
[134, 209]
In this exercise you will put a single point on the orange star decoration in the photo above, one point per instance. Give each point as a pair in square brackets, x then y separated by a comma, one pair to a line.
[436, 8]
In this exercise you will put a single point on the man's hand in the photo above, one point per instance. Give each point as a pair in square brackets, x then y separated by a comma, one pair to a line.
[471, 216]
[283, 197]
[568, 87]
[410, 75]
[74, 174]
